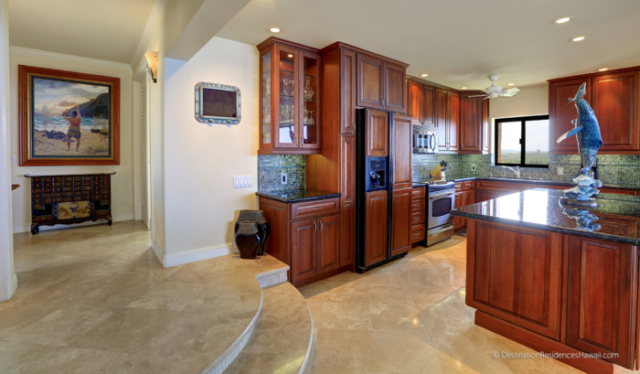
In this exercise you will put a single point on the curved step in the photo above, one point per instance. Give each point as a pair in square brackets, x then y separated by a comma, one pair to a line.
[283, 340]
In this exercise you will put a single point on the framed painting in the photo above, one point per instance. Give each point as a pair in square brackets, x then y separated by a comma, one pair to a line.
[68, 118]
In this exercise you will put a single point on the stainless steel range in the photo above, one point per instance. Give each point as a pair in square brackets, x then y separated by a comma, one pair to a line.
[440, 202]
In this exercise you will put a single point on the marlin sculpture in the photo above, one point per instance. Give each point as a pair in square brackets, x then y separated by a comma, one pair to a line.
[586, 130]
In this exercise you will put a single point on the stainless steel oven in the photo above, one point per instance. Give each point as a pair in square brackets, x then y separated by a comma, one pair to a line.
[425, 139]
[441, 200]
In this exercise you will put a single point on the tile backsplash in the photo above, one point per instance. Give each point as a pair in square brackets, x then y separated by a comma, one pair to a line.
[271, 167]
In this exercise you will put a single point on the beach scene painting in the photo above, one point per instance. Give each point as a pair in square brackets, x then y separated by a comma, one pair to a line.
[69, 118]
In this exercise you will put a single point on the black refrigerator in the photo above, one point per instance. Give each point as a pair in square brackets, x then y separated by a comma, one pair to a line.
[374, 188]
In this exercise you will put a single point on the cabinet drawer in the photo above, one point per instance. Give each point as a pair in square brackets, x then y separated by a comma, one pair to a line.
[466, 186]
[418, 193]
[418, 206]
[418, 217]
[417, 233]
[459, 186]
[315, 208]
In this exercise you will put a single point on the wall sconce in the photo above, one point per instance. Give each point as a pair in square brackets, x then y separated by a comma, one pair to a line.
[152, 64]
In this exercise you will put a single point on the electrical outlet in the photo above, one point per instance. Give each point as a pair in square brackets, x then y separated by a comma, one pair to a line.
[283, 178]
[560, 170]
[473, 168]
[242, 181]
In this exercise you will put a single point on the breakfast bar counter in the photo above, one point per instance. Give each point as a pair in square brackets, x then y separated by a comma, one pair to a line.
[556, 279]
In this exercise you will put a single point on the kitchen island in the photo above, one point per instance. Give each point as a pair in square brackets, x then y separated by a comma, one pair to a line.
[539, 278]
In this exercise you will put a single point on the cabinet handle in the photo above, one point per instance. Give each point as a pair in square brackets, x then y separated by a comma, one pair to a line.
[315, 227]
[320, 225]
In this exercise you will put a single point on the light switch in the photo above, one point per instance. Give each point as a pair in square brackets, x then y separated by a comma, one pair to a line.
[242, 181]
[283, 178]
[560, 170]
[473, 168]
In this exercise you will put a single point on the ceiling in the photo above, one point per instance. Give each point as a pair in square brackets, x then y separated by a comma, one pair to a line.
[459, 42]
[103, 29]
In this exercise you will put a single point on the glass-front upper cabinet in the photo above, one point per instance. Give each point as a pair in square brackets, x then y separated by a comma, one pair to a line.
[289, 98]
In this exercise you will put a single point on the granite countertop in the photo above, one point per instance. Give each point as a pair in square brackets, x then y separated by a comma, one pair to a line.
[542, 182]
[539, 208]
[297, 196]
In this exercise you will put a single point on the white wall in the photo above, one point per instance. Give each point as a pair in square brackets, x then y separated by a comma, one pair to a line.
[8, 280]
[122, 182]
[201, 159]
[531, 100]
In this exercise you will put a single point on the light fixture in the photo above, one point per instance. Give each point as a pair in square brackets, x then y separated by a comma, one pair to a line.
[424, 75]
[290, 55]
[274, 29]
[578, 39]
[563, 20]
[603, 69]
[152, 64]
[463, 88]
[510, 84]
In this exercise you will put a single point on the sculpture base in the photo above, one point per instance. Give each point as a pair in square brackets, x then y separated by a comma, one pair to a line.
[591, 203]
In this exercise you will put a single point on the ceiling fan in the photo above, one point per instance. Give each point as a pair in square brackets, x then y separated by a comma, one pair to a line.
[497, 91]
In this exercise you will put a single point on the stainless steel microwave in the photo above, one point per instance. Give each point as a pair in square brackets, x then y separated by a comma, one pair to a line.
[425, 139]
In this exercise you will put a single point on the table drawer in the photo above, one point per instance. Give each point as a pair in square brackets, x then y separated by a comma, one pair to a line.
[315, 208]
[417, 233]
[418, 193]
[418, 217]
[418, 206]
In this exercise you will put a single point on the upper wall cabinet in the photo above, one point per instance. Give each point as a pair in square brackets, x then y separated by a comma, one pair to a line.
[447, 119]
[474, 123]
[421, 103]
[381, 83]
[613, 96]
[289, 98]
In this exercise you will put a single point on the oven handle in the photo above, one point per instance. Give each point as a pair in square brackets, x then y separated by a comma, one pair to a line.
[446, 193]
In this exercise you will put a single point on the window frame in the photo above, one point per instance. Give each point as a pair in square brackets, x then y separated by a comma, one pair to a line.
[523, 139]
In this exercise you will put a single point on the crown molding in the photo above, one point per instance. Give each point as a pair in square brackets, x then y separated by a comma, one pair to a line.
[70, 58]
[158, 6]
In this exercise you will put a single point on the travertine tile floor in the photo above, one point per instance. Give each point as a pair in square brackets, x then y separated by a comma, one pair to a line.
[409, 316]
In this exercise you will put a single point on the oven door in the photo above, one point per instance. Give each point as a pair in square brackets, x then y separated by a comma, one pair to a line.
[439, 207]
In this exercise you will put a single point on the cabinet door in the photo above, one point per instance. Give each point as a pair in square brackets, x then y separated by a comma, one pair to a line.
[429, 106]
[395, 88]
[277, 214]
[304, 249]
[376, 227]
[514, 274]
[401, 221]
[348, 215]
[441, 119]
[459, 222]
[370, 82]
[328, 243]
[615, 104]
[486, 195]
[309, 89]
[348, 88]
[286, 111]
[416, 106]
[470, 123]
[486, 127]
[401, 152]
[601, 298]
[453, 120]
[469, 198]
[561, 114]
[377, 133]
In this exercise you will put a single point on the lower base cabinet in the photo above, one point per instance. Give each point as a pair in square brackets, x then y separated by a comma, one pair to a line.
[315, 245]
[401, 222]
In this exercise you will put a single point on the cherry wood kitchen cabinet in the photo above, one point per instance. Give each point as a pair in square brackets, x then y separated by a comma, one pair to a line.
[474, 124]
[401, 183]
[306, 236]
[421, 100]
[418, 215]
[442, 118]
[376, 226]
[290, 91]
[601, 298]
[381, 83]
[377, 133]
[401, 221]
[447, 119]
[613, 95]
[465, 195]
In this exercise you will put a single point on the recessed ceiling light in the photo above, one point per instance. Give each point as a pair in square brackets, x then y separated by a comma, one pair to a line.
[563, 20]
[510, 84]
[274, 29]
[603, 69]
[424, 75]
[463, 88]
[290, 55]
[578, 39]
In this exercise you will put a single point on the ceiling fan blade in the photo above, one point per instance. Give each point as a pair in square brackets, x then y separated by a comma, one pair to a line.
[487, 98]
[509, 92]
[478, 96]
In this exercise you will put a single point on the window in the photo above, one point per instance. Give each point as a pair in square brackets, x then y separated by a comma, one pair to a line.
[522, 141]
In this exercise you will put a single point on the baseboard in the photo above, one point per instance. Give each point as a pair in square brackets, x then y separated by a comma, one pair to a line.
[120, 218]
[200, 254]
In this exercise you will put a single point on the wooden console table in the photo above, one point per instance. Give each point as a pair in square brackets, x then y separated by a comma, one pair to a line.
[69, 198]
